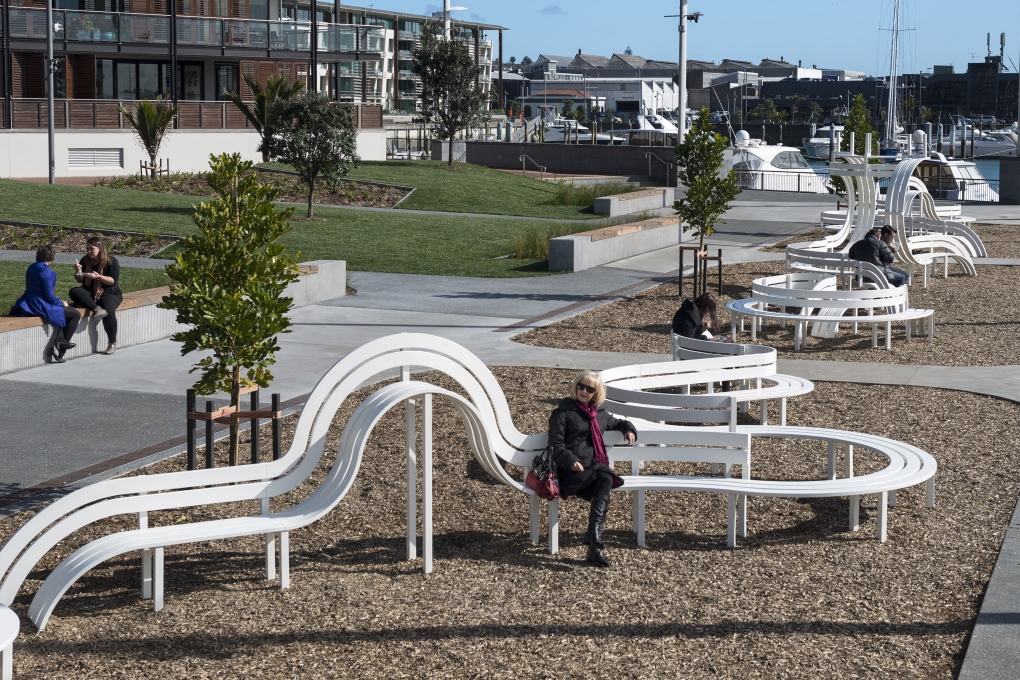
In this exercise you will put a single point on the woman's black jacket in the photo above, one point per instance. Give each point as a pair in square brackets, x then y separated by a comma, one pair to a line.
[570, 439]
[687, 321]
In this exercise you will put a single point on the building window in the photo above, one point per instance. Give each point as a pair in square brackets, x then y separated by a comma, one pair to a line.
[189, 87]
[227, 79]
[105, 79]
[127, 81]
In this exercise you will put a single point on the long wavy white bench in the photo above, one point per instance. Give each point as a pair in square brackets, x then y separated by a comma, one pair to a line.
[491, 434]
[811, 291]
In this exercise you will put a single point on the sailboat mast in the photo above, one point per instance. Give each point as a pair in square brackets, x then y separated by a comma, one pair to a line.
[890, 122]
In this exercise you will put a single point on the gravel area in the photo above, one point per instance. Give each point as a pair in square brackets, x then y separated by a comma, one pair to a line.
[73, 241]
[291, 189]
[1001, 240]
[800, 597]
[976, 323]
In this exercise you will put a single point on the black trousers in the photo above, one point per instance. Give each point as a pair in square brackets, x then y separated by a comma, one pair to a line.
[600, 488]
[71, 318]
[82, 297]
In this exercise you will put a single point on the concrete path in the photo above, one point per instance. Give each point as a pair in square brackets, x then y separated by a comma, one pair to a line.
[70, 258]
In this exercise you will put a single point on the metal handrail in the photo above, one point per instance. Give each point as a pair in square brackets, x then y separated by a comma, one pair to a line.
[524, 166]
[650, 155]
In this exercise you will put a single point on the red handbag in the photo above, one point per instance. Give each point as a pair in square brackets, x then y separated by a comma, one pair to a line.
[541, 478]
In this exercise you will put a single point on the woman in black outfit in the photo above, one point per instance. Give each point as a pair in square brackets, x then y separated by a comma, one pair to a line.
[575, 435]
[697, 319]
[99, 292]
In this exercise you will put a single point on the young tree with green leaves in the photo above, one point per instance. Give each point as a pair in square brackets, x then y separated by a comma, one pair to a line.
[257, 112]
[795, 101]
[698, 159]
[152, 122]
[816, 111]
[857, 123]
[767, 112]
[316, 135]
[228, 283]
[450, 97]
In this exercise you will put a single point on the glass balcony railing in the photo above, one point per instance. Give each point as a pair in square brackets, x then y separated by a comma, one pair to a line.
[104, 27]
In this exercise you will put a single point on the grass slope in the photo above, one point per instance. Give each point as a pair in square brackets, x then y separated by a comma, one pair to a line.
[468, 189]
[12, 281]
[368, 240]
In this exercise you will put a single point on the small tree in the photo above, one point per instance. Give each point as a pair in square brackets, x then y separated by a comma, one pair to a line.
[767, 112]
[698, 159]
[152, 122]
[568, 109]
[228, 283]
[857, 123]
[795, 101]
[449, 97]
[257, 112]
[315, 135]
[816, 111]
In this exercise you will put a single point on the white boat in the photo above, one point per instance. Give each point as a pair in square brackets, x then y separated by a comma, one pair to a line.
[564, 131]
[986, 144]
[774, 168]
[955, 180]
[817, 146]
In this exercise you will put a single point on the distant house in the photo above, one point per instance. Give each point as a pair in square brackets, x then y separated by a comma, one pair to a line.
[546, 65]
[588, 61]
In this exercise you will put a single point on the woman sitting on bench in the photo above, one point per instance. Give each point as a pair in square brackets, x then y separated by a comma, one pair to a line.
[39, 300]
[99, 292]
[697, 319]
[582, 463]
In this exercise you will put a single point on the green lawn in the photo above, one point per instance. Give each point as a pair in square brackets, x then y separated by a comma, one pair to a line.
[367, 240]
[12, 281]
[467, 189]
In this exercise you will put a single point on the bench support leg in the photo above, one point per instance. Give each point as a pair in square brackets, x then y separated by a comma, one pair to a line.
[742, 516]
[931, 328]
[638, 506]
[426, 471]
[910, 324]
[931, 493]
[763, 405]
[554, 526]
[412, 482]
[157, 579]
[831, 471]
[848, 461]
[534, 518]
[874, 335]
[883, 515]
[782, 411]
[143, 523]
[8, 662]
[888, 335]
[731, 520]
[855, 513]
[284, 559]
[892, 498]
[271, 557]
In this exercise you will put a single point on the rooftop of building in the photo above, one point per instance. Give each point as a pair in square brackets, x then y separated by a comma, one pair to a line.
[419, 17]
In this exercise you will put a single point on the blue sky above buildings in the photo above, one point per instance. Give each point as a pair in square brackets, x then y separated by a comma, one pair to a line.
[830, 34]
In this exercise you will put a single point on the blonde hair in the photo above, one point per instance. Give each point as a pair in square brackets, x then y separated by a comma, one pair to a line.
[592, 379]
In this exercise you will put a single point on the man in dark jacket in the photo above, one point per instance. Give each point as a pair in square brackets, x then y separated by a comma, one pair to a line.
[878, 249]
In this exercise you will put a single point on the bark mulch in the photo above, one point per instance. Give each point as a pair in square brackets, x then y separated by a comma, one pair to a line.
[976, 323]
[291, 189]
[72, 241]
[1001, 240]
[800, 597]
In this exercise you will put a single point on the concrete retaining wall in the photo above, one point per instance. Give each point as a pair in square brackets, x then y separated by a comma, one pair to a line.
[636, 202]
[579, 251]
[583, 159]
[29, 342]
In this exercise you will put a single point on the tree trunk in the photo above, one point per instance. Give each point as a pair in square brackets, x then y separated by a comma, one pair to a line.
[235, 400]
[450, 159]
[152, 169]
[311, 191]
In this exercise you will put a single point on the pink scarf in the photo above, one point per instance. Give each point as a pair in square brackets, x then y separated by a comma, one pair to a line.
[592, 413]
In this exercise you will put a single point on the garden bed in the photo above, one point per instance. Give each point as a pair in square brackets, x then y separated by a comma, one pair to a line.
[975, 322]
[800, 597]
[66, 240]
[292, 189]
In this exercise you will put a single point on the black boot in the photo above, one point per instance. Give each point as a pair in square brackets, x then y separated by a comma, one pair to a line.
[596, 524]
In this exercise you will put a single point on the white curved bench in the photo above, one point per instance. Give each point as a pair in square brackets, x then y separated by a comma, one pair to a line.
[492, 437]
[811, 291]
[10, 624]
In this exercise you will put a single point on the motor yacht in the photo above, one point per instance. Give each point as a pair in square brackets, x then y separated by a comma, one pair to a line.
[774, 168]
[817, 146]
[566, 131]
[955, 180]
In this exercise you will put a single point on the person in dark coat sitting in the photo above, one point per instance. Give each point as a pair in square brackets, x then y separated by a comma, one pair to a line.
[39, 300]
[697, 319]
[575, 435]
[878, 249]
[99, 292]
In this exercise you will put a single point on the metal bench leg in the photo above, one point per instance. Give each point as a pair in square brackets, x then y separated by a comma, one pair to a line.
[727, 469]
[848, 461]
[874, 335]
[715, 468]
[888, 335]
[764, 406]
[742, 516]
[554, 526]
[892, 498]
[412, 482]
[426, 471]
[638, 513]
[731, 520]
[832, 460]
[8, 662]
[854, 310]
[883, 515]
[855, 513]
[910, 323]
[931, 493]
[782, 411]
[754, 329]
[157, 579]
[143, 523]
[925, 267]
[284, 559]
[271, 557]
[931, 328]
[534, 518]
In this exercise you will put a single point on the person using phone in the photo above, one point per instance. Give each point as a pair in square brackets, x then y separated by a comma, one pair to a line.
[582, 463]
[99, 293]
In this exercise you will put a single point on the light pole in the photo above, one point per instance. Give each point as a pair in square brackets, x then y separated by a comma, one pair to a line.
[682, 67]
[50, 65]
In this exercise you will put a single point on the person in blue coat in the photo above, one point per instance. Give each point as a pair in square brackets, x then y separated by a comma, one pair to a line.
[39, 300]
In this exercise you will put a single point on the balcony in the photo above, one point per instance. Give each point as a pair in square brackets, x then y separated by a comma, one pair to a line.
[361, 42]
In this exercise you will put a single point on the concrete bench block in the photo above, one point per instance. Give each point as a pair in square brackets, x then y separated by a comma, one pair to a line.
[635, 202]
[592, 248]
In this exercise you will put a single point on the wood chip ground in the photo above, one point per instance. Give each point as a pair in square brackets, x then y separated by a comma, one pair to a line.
[800, 597]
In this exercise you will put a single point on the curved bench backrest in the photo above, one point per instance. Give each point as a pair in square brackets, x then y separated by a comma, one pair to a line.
[686, 349]
[839, 264]
[818, 291]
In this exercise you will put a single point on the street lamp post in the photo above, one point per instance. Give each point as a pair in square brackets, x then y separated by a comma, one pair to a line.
[682, 67]
[50, 66]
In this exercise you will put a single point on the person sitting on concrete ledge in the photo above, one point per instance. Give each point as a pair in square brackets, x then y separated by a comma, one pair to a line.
[697, 319]
[99, 292]
[39, 300]
[878, 249]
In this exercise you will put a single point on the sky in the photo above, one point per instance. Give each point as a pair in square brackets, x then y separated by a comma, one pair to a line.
[843, 34]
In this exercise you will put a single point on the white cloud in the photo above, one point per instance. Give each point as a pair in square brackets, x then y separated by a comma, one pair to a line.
[553, 11]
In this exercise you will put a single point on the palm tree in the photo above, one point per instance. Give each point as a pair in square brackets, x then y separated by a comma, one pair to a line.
[257, 112]
[152, 121]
